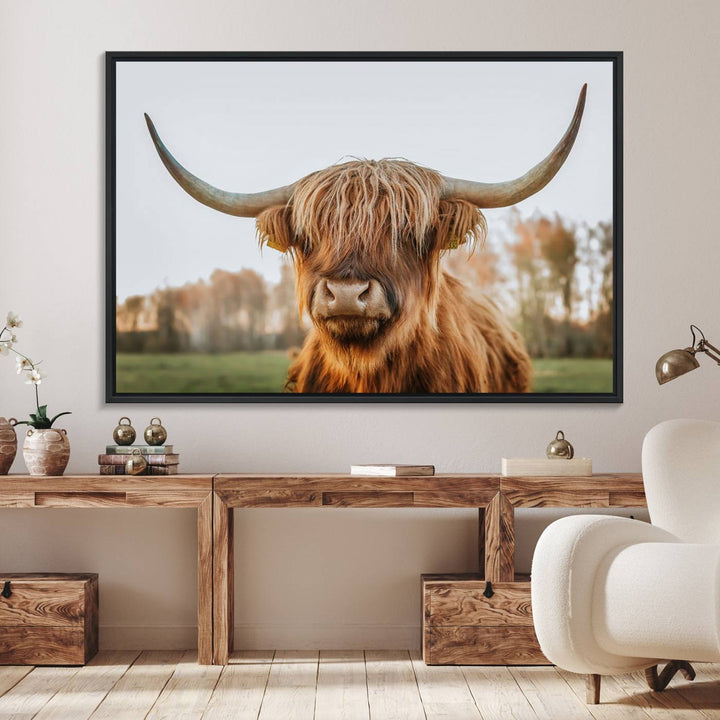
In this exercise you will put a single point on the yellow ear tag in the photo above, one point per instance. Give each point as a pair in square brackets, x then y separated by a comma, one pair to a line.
[272, 243]
[453, 243]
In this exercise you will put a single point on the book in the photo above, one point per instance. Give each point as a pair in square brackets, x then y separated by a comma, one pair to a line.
[172, 459]
[547, 467]
[150, 470]
[144, 449]
[392, 470]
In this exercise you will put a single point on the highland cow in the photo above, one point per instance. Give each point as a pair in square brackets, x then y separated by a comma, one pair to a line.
[366, 238]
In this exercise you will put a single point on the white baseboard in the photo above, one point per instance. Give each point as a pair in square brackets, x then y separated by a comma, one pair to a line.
[265, 637]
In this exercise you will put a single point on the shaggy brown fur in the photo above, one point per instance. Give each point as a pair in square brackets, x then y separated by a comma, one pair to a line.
[385, 220]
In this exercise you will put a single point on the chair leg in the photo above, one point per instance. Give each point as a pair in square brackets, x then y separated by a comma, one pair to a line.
[592, 689]
[660, 682]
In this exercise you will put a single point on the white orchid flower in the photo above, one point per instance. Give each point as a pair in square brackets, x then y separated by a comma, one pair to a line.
[13, 320]
[22, 364]
[5, 346]
[35, 377]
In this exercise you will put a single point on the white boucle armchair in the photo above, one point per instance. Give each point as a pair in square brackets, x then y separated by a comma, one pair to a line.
[613, 595]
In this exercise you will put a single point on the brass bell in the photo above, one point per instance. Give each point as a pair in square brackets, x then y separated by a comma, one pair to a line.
[136, 463]
[155, 433]
[124, 433]
[560, 448]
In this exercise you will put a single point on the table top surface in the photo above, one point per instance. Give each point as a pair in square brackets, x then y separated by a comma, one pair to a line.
[444, 490]
[311, 490]
[18, 484]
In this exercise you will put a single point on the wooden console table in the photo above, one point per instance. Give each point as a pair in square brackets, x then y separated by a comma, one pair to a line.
[495, 497]
[92, 491]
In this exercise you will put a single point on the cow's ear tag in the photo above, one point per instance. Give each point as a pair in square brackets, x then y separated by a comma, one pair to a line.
[275, 245]
[454, 243]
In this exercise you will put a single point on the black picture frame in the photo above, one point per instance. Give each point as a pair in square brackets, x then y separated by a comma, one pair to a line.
[112, 59]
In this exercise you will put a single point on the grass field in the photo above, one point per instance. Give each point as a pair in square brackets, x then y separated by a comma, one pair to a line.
[573, 375]
[190, 372]
[265, 372]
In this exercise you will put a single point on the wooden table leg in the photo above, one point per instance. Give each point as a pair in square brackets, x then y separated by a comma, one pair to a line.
[499, 540]
[205, 581]
[223, 581]
[481, 541]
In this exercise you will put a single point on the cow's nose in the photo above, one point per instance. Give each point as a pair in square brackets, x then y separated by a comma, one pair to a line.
[348, 297]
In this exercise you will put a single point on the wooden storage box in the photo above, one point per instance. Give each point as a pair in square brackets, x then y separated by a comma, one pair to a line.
[461, 626]
[48, 618]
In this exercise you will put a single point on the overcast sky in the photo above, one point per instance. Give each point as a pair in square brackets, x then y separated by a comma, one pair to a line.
[249, 126]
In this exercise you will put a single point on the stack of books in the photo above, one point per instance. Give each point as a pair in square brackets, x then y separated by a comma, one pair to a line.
[392, 470]
[161, 459]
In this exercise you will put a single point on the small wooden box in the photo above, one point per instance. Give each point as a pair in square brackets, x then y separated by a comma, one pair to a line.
[461, 626]
[48, 618]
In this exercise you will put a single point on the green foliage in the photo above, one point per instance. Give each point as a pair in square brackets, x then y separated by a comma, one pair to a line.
[40, 420]
[265, 372]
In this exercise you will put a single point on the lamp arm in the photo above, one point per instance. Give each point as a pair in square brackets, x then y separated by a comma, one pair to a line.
[710, 350]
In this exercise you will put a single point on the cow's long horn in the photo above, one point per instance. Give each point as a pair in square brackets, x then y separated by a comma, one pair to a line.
[502, 194]
[240, 204]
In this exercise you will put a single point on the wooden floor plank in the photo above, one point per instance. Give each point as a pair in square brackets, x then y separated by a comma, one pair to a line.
[548, 694]
[497, 694]
[34, 691]
[138, 689]
[444, 692]
[78, 699]
[666, 705]
[711, 669]
[239, 693]
[188, 691]
[348, 685]
[342, 686]
[251, 657]
[392, 688]
[290, 691]
[703, 693]
[11, 675]
[615, 703]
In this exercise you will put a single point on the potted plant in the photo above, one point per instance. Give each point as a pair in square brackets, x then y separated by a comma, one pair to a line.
[46, 449]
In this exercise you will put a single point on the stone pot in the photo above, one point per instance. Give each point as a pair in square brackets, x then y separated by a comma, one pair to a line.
[47, 451]
[8, 444]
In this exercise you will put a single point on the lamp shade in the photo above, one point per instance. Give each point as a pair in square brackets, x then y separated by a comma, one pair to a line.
[675, 363]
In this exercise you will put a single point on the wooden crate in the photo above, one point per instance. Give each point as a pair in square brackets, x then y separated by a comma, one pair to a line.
[461, 626]
[48, 618]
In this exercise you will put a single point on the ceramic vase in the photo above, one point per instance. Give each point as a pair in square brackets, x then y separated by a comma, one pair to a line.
[46, 452]
[8, 445]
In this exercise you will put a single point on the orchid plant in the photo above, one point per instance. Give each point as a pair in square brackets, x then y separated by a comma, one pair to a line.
[29, 369]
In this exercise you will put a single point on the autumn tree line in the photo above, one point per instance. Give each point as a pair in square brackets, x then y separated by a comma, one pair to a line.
[553, 278]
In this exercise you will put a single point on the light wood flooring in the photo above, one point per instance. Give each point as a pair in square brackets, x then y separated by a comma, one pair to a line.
[370, 685]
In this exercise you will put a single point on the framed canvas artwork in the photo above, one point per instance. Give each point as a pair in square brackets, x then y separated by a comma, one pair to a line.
[364, 227]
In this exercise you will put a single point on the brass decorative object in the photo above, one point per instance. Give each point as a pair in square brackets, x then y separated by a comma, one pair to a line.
[136, 463]
[560, 448]
[155, 433]
[124, 433]
[678, 362]
[8, 444]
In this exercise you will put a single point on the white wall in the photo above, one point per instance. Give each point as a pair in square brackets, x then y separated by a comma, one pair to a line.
[330, 578]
